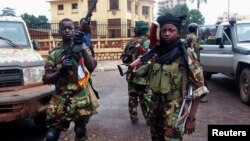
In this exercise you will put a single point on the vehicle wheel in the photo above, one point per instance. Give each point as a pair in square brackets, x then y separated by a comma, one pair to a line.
[244, 86]
[40, 122]
[207, 75]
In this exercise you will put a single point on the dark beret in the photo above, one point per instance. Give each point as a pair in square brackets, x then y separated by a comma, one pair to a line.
[171, 19]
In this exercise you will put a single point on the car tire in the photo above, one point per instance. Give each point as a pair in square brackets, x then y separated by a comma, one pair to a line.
[40, 122]
[244, 86]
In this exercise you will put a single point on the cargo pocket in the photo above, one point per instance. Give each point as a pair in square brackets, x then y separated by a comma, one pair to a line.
[82, 101]
[155, 77]
[177, 76]
[56, 107]
[165, 79]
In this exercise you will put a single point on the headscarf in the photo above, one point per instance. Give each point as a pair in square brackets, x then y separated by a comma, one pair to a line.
[171, 19]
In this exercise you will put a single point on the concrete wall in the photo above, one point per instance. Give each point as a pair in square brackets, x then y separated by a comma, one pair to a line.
[105, 49]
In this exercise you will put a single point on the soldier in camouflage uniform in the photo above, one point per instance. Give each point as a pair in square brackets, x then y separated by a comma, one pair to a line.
[137, 88]
[73, 99]
[193, 43]
[191, 39]
[171, 62]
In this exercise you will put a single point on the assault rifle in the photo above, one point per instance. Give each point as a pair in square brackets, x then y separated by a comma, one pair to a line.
[186, 106]
[87, 18]
[85, 26]
[127, 58]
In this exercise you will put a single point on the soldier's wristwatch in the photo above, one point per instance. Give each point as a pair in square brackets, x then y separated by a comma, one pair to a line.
[190, 118]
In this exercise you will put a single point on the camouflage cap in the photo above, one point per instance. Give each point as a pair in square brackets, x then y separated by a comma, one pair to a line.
[141, 28]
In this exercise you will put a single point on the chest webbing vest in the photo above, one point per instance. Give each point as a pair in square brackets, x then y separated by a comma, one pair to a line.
[167, 79]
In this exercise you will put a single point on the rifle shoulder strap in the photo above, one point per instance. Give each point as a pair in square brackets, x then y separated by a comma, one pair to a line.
[184, 81]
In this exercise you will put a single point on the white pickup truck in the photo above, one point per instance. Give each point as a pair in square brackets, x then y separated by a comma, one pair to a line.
[225, 48]
[22, 93]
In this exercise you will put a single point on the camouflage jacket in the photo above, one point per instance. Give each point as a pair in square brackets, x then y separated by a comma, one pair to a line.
[167, 78]
[192, 42]
[70, 100]
[144, 43]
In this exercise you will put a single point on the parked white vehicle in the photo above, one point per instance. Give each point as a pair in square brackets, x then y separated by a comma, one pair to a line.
[225, 48]
[22, 93]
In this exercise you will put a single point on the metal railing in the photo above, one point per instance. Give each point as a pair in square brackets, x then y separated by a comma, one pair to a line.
[101, 30]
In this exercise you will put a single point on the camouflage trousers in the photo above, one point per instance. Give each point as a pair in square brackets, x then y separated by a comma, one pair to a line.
[138, 93]
[59, 115]
[162, 116]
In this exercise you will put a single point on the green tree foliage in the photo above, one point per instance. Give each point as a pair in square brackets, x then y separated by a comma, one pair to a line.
[193, 15]
[180, 9]
[7, 11]
[198, 2]
[163, 10]
[35, 22]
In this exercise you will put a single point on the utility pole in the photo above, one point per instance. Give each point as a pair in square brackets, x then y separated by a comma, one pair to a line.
[228, 10]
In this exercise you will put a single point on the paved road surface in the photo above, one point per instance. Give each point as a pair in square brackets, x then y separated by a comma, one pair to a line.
[112, 122]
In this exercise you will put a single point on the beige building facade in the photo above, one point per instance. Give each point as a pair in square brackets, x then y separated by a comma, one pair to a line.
[110, 18]
[106, 10]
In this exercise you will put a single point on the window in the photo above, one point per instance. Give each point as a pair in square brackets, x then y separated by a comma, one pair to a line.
[243, 32]
[226, 40]
[114, 4]
[14, 32]
[207, 34]
[129, 5]
[136, 9]
[74, 6]
[90, 3]
[129, 28]
[114, 28]
[227, 35]
[145, 10]
[60, 7]
[93, 25]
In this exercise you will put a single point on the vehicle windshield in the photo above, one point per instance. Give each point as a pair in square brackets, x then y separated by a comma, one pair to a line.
[243, 32]
[14, 33]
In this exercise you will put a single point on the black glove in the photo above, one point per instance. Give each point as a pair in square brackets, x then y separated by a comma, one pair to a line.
[84, 20]
[67, 62]
[78, 38]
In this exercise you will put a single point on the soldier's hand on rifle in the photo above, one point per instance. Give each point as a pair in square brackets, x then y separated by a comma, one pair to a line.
[83, 21]
[190, 126]
[136, 63]
[78, 38]
[66, 63]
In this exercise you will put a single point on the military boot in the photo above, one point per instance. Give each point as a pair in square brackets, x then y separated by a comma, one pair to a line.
[204, 99]
[81, 134]
[134, 120]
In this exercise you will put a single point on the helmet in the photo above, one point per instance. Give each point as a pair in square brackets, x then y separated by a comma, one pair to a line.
[141, 28]
[192, 27]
